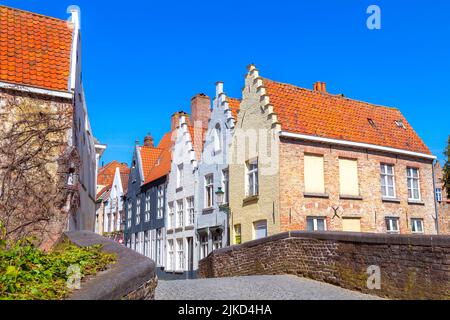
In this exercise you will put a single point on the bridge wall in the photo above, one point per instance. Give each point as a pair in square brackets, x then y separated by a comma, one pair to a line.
[412, 267]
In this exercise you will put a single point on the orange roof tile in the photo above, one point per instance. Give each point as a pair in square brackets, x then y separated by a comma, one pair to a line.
[235, 105]
[322, 114]
[35, 50]
[106, 174]
[198, 136]
[162, 165]
[149, 156]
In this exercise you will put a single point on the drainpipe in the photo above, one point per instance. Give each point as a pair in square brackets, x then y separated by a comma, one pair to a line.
[434, 196]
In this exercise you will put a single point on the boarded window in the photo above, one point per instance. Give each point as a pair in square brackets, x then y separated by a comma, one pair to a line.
[348, 177]
[314, 175]
[351, 224]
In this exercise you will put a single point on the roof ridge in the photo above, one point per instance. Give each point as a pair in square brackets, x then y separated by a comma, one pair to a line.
[32, 13]
[331, 95]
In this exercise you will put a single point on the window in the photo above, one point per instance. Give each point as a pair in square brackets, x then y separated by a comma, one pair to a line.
[316, 224]
[413, 184]
[147, 250]
[237, 234]
[138, 210]
[147, 206]
[180, 214]
[217, 242]
[392, 225]
[203, 246]
[314, 174]
[190, 211]
[260, 229]
[209, 191]
[180, 255]
[417, 225]
[217, 139]
[133, 242]
[130, 210]
[171, 220]
[180, 175]
[170, 257]
[136, 242]
[252, 178]
[351, 224]
[226, 185]
[438, 194]
[348, 177]
[160, 202]
[159, 241]
[387, 181]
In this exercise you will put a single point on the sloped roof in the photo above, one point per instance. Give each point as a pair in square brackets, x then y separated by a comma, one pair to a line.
[35, 50]
[198, 136]
[160, 159]
[106, 174]
[321, 114]
[149, 156]
[235, 105]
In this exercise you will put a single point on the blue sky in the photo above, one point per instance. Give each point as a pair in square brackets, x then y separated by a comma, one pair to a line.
[144, 60]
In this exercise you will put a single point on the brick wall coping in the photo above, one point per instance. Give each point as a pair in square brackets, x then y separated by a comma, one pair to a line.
[129, 273]
[356, 237]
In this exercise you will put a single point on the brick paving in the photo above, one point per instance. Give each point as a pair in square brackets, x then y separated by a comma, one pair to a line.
[254, 288]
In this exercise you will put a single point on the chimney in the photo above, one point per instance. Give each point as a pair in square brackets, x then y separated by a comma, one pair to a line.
[149, 141]
[201, 109]
[320, 86]
[176, 119]
[219, 88]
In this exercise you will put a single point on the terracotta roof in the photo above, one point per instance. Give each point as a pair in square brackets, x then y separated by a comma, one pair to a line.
[162, 165]
[326, 115]
[149, 156]
[106, 174]
[35, 50]
[235, 105]
[198, 136]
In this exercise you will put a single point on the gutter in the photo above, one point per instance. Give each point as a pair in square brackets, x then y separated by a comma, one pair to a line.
[356, 144]
[52, 93]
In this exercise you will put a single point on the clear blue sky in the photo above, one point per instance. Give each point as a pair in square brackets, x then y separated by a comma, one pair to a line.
[144, 60]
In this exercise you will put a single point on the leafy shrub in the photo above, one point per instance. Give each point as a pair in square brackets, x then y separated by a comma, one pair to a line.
[27, 273]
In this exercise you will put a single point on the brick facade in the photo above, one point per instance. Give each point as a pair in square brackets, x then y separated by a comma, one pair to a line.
[444, 205]
[295, 207]
[412, 267]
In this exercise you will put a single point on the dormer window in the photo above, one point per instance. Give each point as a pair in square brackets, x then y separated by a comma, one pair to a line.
[400, 124]
[372, 123]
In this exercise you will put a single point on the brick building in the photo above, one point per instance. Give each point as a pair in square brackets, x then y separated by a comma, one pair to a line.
[310, 160]
[442, 200]
[40, 62]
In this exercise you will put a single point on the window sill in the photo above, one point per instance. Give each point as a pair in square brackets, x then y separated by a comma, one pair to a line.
[416, 202]
[250, 200]
[346, 197]
[179, 229]
[316, 195]
[208, 210]
[392, 200]
[189, 227]
[179, 189]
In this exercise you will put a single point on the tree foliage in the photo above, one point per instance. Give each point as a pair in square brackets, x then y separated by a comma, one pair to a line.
[447, 168]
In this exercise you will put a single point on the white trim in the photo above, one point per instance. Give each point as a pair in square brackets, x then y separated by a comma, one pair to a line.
[356, 144]
[53, 93]
[75, 20]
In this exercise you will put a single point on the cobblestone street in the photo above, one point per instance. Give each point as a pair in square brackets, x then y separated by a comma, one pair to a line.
[254, 288]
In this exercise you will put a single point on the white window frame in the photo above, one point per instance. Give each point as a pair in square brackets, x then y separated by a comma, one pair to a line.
[204, 246]
[252, 178]
[316, 224]
[414, 225]
[390, 225]
[410, 180]
[438, 193]
[256, 227]
[171, 215]
[147, 244]
[180, 175]
[180, 255]
[147, 205]
[384, 178]
[159, 247]
[190, 206]
[180, 214]
[160, 202]
[170, 255]
[130, 213]
[209, 191]
[138, 210]
[226, 185]
[217, 241]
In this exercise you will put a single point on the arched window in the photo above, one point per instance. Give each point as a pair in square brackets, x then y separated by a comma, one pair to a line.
[217, 138]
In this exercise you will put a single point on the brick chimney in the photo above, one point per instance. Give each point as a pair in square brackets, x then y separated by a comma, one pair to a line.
[201, 109]
[320, 86]
[149, 141]
[176, 119]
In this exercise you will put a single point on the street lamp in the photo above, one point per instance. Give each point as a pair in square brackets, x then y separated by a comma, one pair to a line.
[220, 197]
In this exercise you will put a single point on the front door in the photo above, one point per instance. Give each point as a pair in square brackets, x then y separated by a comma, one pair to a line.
[190, 242]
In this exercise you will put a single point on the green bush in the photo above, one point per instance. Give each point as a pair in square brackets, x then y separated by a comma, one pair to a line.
[27, 273]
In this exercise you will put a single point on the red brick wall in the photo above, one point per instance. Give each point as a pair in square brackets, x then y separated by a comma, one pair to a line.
[295, 207]
[412, 267]
[201, 109]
